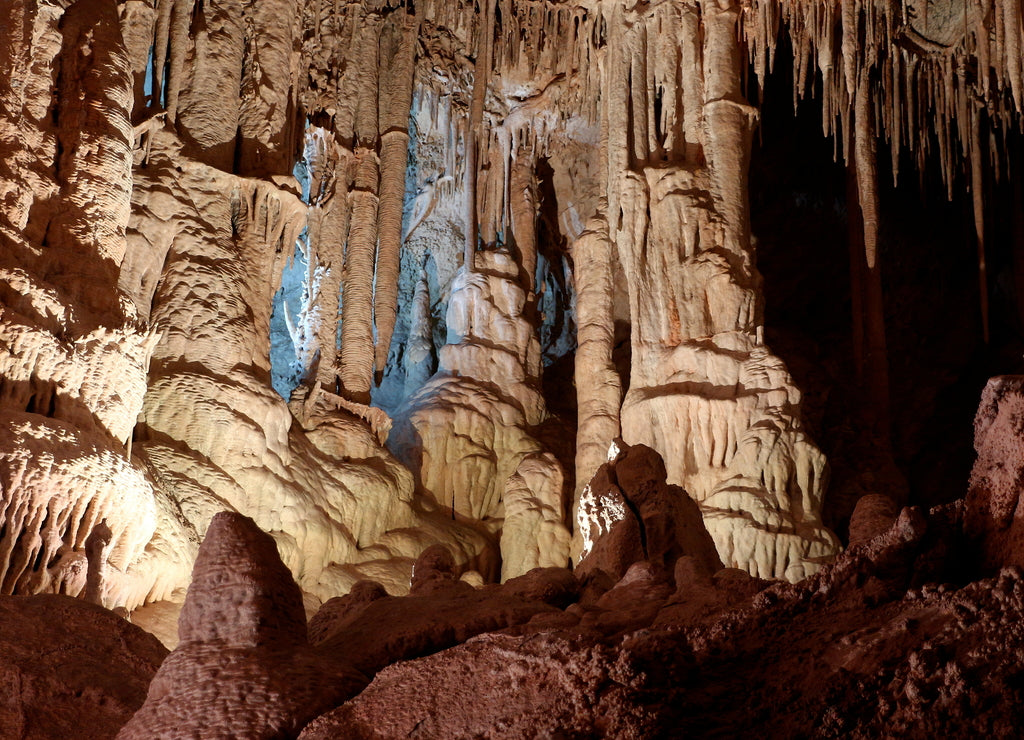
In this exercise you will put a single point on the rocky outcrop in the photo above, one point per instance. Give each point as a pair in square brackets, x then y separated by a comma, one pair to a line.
[628, 513]
[860, 649]
[244, 667]
[993, 516]
[871, 645]
[70, 669]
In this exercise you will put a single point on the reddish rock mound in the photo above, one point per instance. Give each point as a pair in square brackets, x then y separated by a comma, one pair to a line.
[70, 669]
[243, 667]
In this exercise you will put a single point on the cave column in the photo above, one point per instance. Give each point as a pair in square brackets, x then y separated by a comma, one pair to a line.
[704, 391]
[598, 388]
[357, 350]
[728, 121]
[523, 207]
[399, 60]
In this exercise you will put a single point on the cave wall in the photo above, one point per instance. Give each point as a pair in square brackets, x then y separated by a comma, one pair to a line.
[418, 210]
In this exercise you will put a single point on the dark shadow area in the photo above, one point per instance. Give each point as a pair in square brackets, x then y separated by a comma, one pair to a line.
[938, 360]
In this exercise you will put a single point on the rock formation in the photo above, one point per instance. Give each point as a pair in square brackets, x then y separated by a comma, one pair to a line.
[443, 321]
[466, 432]
[871, 645]
[992, 510]
[244, 654]
[70, 669]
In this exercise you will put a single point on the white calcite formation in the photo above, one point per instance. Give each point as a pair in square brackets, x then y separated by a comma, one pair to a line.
[74, 353]
[467, 431]
[704, 390]
[472, 188]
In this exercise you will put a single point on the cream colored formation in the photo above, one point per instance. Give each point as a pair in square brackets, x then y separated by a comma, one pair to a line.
[148, 208]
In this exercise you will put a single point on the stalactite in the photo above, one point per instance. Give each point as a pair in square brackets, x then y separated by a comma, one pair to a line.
[475, 130]
[616, 119]
[267, 114]
[177, 48]
[209, 99]
[1012, 34]
[978, 203]
[94, 157]
[924, 84]
[161, 49]
[855, 247]
[328, 224]
[865, 163]
[523, 204]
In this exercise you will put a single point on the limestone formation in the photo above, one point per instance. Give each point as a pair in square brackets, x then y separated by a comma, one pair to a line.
[481, 463]
[628, 514]
[992, 510]
[322, 265]
[244, 654]
[704, 389]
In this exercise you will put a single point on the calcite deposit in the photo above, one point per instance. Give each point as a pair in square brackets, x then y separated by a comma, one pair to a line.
[445, 327]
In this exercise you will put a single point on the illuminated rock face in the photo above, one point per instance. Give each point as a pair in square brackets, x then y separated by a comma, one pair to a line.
[484, 186]
[75, 351]
[466, 433]
[704, 390]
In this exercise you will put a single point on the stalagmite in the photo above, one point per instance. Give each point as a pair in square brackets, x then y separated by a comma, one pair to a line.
[418, 360]
[704, 391]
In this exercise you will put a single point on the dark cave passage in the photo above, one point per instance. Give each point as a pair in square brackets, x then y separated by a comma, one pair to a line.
[938, 360]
